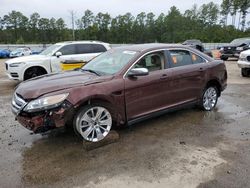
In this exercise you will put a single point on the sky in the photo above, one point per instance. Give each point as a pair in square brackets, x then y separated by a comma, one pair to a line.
[61, 8]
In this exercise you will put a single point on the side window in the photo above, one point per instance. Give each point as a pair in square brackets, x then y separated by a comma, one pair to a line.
[98, 48]
[197, 59]
[180, 58]
[153, 62]
[84, 48]
[90, 48]
[68, 49]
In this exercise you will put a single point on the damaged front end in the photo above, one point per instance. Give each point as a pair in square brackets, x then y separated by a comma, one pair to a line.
[42, 114]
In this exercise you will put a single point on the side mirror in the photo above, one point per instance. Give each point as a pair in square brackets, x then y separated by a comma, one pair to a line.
[138, 72]
[58, 54]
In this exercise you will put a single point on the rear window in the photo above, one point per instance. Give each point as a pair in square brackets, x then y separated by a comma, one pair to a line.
[180, 58]
[197, 59]
[97, 48]
[184, 57]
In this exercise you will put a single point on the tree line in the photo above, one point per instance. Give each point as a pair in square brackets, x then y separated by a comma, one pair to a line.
[209, 23]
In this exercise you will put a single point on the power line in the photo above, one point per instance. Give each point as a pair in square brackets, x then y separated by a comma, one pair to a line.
[72, 15]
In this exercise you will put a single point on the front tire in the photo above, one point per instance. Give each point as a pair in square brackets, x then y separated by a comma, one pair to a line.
[209, 98]
[93, 122]
[224, 58]
[245, 72]
[34, 72]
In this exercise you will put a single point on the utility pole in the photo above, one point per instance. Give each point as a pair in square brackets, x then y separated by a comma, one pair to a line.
[72, 15]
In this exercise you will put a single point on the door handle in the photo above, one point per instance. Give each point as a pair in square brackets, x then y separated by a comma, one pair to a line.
[164, 76]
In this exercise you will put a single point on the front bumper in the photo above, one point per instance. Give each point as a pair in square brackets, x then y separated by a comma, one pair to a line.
[243, 64]
[13, 73]
[236, 54]
[44, 121]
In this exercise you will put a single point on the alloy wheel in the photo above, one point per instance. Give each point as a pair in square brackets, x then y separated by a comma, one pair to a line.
[94, 124]
[210, 98]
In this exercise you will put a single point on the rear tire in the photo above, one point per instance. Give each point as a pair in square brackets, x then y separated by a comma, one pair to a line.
[224, 58]
[209, 98]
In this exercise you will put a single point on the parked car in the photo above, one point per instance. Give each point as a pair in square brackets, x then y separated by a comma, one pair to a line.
[244, 63]
[5, 53]
[197, 44]
[50, 59]
[120, 87]
[20, 52]
[235, 48]
[35, 52]
[194, 43]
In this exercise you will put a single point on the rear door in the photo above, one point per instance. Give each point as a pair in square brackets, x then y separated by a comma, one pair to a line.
[188, 75]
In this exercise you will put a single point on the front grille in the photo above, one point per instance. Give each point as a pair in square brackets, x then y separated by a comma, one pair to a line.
[17, 103]
[6, 66]
[230, 48]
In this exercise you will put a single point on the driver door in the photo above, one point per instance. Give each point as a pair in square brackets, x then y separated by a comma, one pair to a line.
[144, 94]
[68, 54]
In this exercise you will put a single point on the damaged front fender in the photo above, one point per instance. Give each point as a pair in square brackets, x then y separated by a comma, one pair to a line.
[46, 120]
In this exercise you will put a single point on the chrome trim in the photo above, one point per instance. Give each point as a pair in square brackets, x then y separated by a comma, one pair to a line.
[162, 49]
[17, 104]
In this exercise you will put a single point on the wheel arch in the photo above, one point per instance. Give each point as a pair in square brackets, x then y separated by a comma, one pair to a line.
[118, 116]
[35, 66]
[216, 83]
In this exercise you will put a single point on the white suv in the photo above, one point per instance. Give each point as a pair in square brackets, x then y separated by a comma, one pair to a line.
[51, 59]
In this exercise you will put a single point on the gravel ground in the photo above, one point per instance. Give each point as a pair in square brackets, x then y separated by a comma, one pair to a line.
[187, 148]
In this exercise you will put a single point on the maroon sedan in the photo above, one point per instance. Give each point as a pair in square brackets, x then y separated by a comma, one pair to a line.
[120, 87]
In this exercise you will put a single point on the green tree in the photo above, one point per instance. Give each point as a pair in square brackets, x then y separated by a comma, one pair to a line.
[33, 25]
[103, 23]
[244, 5]
[17, 22]
[209, 13]
[225, 10]
[139, 28]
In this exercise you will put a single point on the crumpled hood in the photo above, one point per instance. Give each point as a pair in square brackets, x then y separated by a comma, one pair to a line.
[42, 85]
[29, 58]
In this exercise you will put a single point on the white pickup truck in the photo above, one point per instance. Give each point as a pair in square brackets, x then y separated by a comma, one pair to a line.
[51, 60]
[244, 63]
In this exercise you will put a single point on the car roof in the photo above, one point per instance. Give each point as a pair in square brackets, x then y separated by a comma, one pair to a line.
[151, 46]
[244, 38]
[81, 42]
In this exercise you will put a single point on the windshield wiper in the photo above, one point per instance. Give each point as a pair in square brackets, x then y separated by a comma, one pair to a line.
[92, 71]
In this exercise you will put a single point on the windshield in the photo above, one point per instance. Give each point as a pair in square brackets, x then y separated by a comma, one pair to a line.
[238, 42]
[50, 50]
[110, 62]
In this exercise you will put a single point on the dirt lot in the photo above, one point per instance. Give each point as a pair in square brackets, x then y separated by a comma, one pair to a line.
[188, 148]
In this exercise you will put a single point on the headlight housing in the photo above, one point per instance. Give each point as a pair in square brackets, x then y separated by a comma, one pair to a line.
[239, 48]
[16, 64]
[45, 103]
